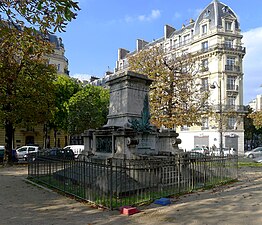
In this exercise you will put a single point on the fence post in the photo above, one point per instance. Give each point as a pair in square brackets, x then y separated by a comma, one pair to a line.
[110, 168]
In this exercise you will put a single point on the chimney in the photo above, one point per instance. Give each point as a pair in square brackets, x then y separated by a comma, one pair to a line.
[140, 44]
[122, 53]
[168, 30]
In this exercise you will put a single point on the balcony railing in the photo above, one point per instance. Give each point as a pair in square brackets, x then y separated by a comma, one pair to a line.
[235, 108]
[232, 68]
[235, 48]
[232, 88]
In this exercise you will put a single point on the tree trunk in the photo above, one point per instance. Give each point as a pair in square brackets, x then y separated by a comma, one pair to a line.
[9, 130]
[55, 133]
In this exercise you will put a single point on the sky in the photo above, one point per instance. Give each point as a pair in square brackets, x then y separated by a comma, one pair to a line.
[102, 27]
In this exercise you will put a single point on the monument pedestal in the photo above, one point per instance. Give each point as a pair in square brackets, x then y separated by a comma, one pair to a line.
[128, 133]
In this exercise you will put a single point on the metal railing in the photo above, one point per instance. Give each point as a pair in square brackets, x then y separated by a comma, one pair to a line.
[226, 108]
[233, 68]
[113, 183]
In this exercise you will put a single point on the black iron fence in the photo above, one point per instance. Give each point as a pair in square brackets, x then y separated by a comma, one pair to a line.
[117, 182]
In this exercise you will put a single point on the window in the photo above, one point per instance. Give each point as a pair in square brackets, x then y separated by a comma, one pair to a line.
[31, 149]
[22, 149]
[204, 29]
[184, 127]
[231, 83]
[204, 65]
[231, 122]
[186, 38]
[184, 52]
[204, 123]
[205, 85]
[207, 13]
[231, 60]
[231, 100]
[228, 26]
[175, 43]
[228, 43]
[230, 63]
[58, 67]
[204, 46]
[225, 9]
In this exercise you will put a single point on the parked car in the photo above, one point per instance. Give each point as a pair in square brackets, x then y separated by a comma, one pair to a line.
[256, 152]
[258, 159]
[195, 155]
[77, 149]
[202, 150]
[224, 152]
[2, 153]
[54, 153]
[22, 151]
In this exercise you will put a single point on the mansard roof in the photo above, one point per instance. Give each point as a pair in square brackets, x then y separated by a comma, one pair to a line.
[214, 13]
[56, 41]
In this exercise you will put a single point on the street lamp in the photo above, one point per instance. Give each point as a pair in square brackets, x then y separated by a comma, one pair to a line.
[213, 86]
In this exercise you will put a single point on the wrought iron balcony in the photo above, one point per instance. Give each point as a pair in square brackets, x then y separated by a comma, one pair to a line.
[232, 68]
[233, 47]
[233, 88]
[227, 108]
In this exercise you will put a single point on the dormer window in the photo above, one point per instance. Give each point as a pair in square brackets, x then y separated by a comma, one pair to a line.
[204, 29]
[228, 26]
[225, 9]
[207, 13]
[186, 38]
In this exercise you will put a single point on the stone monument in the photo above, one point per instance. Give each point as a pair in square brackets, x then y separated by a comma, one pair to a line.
[128, 133]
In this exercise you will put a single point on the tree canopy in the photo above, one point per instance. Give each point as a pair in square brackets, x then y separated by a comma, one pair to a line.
[88, 109]
[26, 79]
[257, 119]
[65, 88]
[44, 15]
[176, 94]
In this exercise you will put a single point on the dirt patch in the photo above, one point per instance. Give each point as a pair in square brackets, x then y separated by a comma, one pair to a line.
[238, 203]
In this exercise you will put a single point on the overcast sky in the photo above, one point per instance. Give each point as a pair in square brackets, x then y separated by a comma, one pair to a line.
[102, 26]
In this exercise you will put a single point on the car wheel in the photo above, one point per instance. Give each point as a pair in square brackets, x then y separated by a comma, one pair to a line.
[251, 156]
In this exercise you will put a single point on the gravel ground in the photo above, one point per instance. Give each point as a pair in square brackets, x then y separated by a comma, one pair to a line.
[22, 203]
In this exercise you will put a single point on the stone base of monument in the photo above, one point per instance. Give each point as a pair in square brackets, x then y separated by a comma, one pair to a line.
[129, 144]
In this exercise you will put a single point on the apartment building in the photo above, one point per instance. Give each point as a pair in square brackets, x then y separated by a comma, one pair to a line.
[216, 38]
[35, 135]
[256, 104]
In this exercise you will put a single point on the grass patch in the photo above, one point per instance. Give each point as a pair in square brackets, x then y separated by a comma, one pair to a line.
[249, 164]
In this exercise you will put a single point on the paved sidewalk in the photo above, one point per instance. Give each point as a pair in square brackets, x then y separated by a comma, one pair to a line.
[22, 203]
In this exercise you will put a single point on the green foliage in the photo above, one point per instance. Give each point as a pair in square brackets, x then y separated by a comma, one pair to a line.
[249, 164]
[88, 109]
[25, 78]
[257, 119]
[46, 15]
[142, 124]
[249, 127]
[65, 88]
